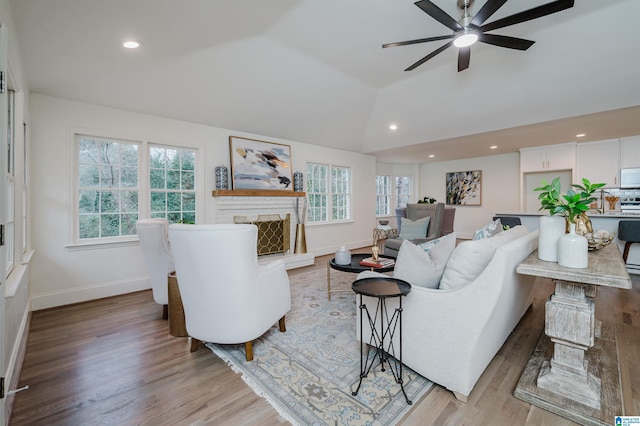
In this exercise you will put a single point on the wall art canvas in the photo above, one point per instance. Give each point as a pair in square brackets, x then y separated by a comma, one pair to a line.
[464, 188]
[260, 165]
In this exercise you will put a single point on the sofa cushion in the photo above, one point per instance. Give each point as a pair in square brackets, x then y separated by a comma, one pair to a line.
[424, 268]
[491, 229]
[509, 235]
[412, 229]
[466, 263]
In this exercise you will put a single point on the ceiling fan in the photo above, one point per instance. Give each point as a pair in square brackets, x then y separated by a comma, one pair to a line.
[470, 29]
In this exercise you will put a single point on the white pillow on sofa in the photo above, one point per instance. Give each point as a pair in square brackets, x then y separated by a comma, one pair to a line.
[424, 268]
[466, 263]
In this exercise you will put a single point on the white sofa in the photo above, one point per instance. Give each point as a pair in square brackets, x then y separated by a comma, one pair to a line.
[451, 335]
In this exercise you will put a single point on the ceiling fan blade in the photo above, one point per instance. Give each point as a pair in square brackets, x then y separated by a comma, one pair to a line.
[489, 8]
[464, 55]
[420, 40]
[505, 41]
[438, 14]
[528, 15]
[429, 56]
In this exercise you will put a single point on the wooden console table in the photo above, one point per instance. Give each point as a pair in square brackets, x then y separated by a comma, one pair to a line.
[573, 371]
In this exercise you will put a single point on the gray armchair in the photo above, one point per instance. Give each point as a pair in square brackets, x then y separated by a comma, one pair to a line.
[436, 212]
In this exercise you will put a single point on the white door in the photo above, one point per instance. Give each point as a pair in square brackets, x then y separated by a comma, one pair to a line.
[3, 194]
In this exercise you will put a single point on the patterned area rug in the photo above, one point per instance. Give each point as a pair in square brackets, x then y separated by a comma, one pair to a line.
[309, 372]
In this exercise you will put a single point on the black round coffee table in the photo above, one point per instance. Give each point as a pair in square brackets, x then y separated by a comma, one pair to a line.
[354, 267]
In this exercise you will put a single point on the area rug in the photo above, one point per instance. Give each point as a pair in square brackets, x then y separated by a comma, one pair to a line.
[309, 372]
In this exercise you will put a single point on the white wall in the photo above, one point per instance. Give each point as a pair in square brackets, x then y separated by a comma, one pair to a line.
[63, 274]
[500, 188]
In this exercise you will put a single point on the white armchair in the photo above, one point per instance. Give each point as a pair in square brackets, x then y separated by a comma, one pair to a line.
[228, 298]
[153, 236]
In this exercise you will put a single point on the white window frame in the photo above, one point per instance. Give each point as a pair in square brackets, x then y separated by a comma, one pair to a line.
[407, 195]
[332, 190]
[383, 195]
[181, 191]
[10, 206]
[144, 191]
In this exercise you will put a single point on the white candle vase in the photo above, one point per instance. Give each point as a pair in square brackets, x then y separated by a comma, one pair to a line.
[551, 229]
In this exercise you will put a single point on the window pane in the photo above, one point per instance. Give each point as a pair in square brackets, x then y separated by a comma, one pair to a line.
[107, 187]
[173, 172]
[156, 179]
[158, 201]
[383, 196]
[403, 191]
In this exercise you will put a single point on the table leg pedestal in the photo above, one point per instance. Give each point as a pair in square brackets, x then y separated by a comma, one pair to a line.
[384, 353]
[570, 324]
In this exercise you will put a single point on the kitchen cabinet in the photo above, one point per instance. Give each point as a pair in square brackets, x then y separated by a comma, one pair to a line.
[599, 162]
[630, 149]
[551, 157]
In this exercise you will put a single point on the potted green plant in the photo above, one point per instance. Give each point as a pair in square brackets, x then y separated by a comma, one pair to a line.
[427, 200]
[571, 205]
[570, 249]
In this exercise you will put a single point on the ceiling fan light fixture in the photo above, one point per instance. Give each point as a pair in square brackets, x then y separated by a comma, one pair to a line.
[465, 38]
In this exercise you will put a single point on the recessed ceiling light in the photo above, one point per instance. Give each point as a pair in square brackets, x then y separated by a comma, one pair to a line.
[393, 127]
[581, 135]
[431, 155]
[132, 44]
[493, 146]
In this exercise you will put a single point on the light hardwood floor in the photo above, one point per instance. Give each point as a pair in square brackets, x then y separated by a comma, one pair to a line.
[112, 361]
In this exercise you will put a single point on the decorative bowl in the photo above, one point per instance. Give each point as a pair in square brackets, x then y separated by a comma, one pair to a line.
[383, 222]
[599, 239]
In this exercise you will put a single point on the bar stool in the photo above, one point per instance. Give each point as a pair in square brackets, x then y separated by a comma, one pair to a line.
[628, 231]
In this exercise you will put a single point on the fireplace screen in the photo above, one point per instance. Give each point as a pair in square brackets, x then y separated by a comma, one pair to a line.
[273, 233]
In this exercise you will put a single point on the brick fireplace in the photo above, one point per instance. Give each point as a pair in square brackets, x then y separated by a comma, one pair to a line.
[246, 206]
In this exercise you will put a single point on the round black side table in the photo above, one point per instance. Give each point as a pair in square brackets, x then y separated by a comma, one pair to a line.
[382, 339]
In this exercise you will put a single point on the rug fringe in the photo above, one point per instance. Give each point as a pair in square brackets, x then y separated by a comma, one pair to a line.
[255, 387]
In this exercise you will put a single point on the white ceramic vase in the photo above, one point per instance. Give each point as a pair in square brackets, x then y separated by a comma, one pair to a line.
[573, 249]
[343, 256]
[550, 230]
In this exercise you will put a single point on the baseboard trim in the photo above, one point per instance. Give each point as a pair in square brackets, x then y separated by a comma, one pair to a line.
[84, 294]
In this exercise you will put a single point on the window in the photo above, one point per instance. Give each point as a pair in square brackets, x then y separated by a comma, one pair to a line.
[326, 195]
[403, 191]
[383, 195]
[172, 183]
[113, 192]
[108, 187]
[9, 202]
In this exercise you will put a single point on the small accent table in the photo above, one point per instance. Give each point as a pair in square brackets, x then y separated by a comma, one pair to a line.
[573, 371]
[381, 234]
[354, 267]
[382, 338]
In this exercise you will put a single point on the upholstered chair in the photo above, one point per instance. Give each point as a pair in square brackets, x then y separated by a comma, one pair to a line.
[227, 297]
[154, 241]
[414, 212]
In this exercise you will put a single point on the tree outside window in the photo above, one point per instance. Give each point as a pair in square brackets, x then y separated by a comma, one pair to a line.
[172, 184]
[108, 187]
[328, 190]
[403, 191]
[383, 195]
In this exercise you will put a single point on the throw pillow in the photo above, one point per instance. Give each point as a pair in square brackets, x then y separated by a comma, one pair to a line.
[412, 229]
[421, 268]
[466, 263]
[489, 230]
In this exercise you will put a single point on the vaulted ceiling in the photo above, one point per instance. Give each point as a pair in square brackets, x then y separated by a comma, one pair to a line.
[315, 72]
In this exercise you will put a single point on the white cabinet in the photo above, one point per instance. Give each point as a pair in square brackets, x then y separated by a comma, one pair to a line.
[630, 149]
[599, 162]
[552, 157]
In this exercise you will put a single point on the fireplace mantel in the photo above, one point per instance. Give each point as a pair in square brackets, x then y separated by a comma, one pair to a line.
[255, 193]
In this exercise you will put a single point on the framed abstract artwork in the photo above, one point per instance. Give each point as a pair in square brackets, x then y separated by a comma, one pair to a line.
[260, 165]
[464, 188]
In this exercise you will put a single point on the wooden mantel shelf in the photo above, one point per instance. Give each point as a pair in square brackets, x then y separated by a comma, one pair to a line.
[256, 193]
